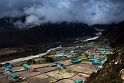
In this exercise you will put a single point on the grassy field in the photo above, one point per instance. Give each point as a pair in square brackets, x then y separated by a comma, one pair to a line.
[61, 73]
[53, 56]
[85, 60]
[81, 57]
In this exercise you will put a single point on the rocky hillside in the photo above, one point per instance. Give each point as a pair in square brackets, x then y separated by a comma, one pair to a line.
[115, 34]
[115, 62]
[12, 35]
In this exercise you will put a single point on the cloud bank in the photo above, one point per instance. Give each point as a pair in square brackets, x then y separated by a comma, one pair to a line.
[42, 11]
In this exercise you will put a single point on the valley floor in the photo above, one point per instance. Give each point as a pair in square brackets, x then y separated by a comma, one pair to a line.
[65, 71]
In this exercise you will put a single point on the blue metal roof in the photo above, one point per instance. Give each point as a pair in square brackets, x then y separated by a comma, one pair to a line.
[7, 69]
[60, 55]
[10, 66]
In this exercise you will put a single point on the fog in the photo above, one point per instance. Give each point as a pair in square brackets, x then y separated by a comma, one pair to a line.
[42, 11]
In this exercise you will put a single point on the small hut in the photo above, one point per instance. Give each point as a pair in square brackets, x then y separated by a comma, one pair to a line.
[78, 81]
[74, 61]
[101, 54]
[14, 76]
[8, 68]
[26, 66]
[60, 55]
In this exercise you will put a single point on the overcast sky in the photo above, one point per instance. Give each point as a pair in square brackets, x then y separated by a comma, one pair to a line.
[87, 11]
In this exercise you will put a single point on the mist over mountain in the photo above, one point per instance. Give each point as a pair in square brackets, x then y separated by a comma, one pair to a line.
[25, 22]
[38, 23]
[12, 35]
[37, 12]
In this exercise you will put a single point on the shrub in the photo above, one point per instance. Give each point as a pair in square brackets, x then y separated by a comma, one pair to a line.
[31, 61]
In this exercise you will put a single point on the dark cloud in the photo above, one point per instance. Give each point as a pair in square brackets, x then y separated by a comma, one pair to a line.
[41, 11]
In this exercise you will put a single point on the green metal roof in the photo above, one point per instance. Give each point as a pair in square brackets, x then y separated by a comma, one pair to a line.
[78, 81]
[26, 66]
[74, 60]
[70, 53]
[13, 75]
[78, 51]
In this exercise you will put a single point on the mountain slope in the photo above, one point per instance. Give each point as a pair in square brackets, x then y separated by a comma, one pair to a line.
[115, 34]
[45, 33]
[115, 63]
[12, 35]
